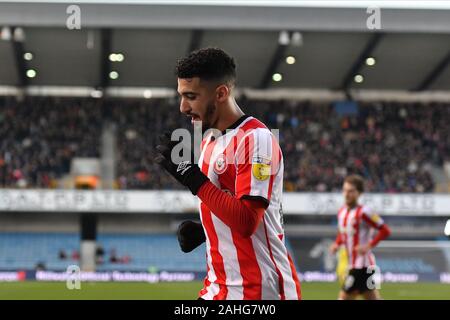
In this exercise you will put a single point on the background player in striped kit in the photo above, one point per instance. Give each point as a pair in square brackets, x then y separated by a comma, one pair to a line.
[356, 224]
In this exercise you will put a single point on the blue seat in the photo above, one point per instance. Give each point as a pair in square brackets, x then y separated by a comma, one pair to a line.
[147, 252]
[25, 250]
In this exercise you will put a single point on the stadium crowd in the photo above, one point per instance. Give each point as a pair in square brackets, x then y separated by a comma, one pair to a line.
[393, 145]
[40, 136]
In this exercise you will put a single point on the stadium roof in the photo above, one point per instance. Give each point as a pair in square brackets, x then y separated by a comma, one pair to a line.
[411, 51]
[322, 59]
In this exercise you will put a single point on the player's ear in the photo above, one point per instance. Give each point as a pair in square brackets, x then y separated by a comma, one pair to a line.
[222, 93]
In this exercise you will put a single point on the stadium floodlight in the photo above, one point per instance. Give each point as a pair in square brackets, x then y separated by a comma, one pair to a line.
[31, 73]
[120, 57]
[277, 77]
[447, 228]
[290, 60]
[358, 78]
[113, 75]
[116, 57]
[28, 56]
[370, 61]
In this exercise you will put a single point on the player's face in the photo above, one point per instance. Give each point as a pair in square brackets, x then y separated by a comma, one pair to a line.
[351, 194]
[198, 101]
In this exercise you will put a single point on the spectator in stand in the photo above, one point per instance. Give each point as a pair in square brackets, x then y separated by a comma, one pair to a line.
[113, 256]
[75, 255]
[62, 255]
[393, 145]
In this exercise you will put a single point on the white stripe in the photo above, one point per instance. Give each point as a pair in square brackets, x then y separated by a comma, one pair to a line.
[213, 290]
[235, 292]
[262, 147]
[211, 273]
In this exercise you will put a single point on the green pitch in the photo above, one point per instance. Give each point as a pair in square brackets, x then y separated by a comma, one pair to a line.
[161, 291]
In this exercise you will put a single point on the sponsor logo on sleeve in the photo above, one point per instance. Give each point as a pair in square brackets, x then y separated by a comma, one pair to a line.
[261, 168]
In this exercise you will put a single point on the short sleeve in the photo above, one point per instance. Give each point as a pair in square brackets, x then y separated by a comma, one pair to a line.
[372, 218]
[257, 161]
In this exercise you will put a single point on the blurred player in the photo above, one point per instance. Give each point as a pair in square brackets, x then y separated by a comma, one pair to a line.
[356, 224]
[239, 181]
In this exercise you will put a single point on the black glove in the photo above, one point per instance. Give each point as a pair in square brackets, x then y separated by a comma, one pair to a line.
[186, 172]
[190, 235]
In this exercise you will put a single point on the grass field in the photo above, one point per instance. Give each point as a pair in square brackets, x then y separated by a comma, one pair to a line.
[175, 291]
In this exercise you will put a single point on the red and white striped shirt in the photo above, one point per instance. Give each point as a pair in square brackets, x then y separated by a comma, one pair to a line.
[246, 161]
[356, 227]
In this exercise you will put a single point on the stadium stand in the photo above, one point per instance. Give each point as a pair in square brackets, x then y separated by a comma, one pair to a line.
[27, 251]
[133, 252]
[40, 136]
[120, 252]
[395, 146]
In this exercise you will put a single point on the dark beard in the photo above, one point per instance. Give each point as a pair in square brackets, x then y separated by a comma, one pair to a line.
[210, 110]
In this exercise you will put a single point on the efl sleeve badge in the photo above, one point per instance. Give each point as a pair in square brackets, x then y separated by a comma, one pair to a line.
[261, 168]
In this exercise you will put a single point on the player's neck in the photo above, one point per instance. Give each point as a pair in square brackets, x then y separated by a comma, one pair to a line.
[353, 205]
[230, 113]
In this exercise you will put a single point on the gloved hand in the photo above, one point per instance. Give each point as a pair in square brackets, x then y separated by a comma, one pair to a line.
[190, 235]
[186, 172]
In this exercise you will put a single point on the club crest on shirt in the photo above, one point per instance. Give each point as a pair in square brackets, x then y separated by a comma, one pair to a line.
[261, 168]
[220, 165]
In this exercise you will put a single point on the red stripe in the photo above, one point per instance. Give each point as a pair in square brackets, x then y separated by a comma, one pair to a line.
[206, 282]
[216, 257]
[252, 124]
[280, 276]
[248, 267]
[346, 217]
[296, 280]
[227, 179]
[369, 221]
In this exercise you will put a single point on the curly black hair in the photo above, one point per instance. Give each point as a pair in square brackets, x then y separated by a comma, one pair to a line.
[211, 64]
